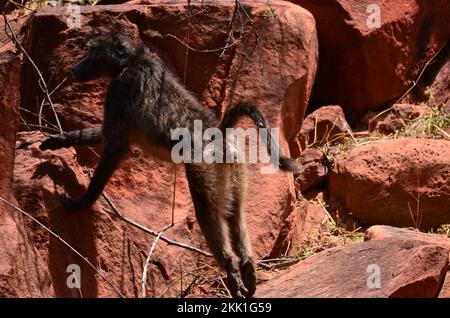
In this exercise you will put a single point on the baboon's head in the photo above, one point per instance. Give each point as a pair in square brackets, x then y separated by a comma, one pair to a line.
[108, 54]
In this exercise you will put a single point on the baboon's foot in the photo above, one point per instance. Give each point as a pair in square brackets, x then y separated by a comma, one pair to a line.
[53, 142]
[236, 285]
[248, 274]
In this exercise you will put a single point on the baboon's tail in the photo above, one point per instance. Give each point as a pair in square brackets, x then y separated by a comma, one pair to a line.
[240, 109]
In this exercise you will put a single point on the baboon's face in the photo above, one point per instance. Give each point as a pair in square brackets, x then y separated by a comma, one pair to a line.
[106, 58]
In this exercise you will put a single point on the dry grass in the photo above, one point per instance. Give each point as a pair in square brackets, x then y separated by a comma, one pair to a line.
[444, 229]
[432, 125]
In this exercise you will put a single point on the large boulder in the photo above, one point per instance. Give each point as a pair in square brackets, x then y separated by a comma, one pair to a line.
[364, 68]
[22, 271]
[142, 188]
[379, 232]
[445, 290]
[388, 267]
[399, 182]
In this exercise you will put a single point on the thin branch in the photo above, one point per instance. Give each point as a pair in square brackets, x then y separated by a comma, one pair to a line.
[194, 16]
[257, 38]
[24, 122]
[149, 256]
[150, 253]
[230, 29]
[37, 126]
[54, 127]
[181, 277]
[151, 232]
[13, 37]
[42, 103]
[201, 50]
[64, 242]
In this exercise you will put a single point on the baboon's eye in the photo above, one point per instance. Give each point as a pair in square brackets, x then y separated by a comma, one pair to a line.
[120, 50]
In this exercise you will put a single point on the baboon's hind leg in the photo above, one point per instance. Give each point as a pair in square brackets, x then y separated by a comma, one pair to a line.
[205, 191]
[238, 229]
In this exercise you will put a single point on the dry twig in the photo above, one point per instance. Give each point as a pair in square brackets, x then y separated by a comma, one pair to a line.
[42, 84]
[151, 232]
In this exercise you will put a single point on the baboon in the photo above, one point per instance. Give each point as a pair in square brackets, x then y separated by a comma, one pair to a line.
[143, 103]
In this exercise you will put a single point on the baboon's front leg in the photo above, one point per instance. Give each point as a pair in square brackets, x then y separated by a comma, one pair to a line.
[109, 161]
[87, 136]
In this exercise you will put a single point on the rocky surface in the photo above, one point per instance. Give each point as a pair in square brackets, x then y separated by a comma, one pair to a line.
[314, 170]
[440, 88]
[445, 290]
[362, 68]
[379, 232]
[217, 81]
[142, 188]
[351, 176]
[326, 124]
[304, 223]
[22, 272]
[396, 118]
[400, 182]
[351, 271]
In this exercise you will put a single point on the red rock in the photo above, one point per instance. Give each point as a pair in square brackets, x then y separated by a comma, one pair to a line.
[22, 271]
[440, 88]
[379, 183]
[396, 118]
[282, 91]
[115, 248]
[410, 111]
[445, 290]
[390, 125]
[142, 188]
[364, 68]
[378, 232]
[325, 124]
[346, 271]
[434, 87]
[305, 222]
[313, 172]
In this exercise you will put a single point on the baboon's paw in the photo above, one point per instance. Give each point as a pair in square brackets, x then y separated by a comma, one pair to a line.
[236, 285]
[248, 274]
[237, 288]
[53, 142]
